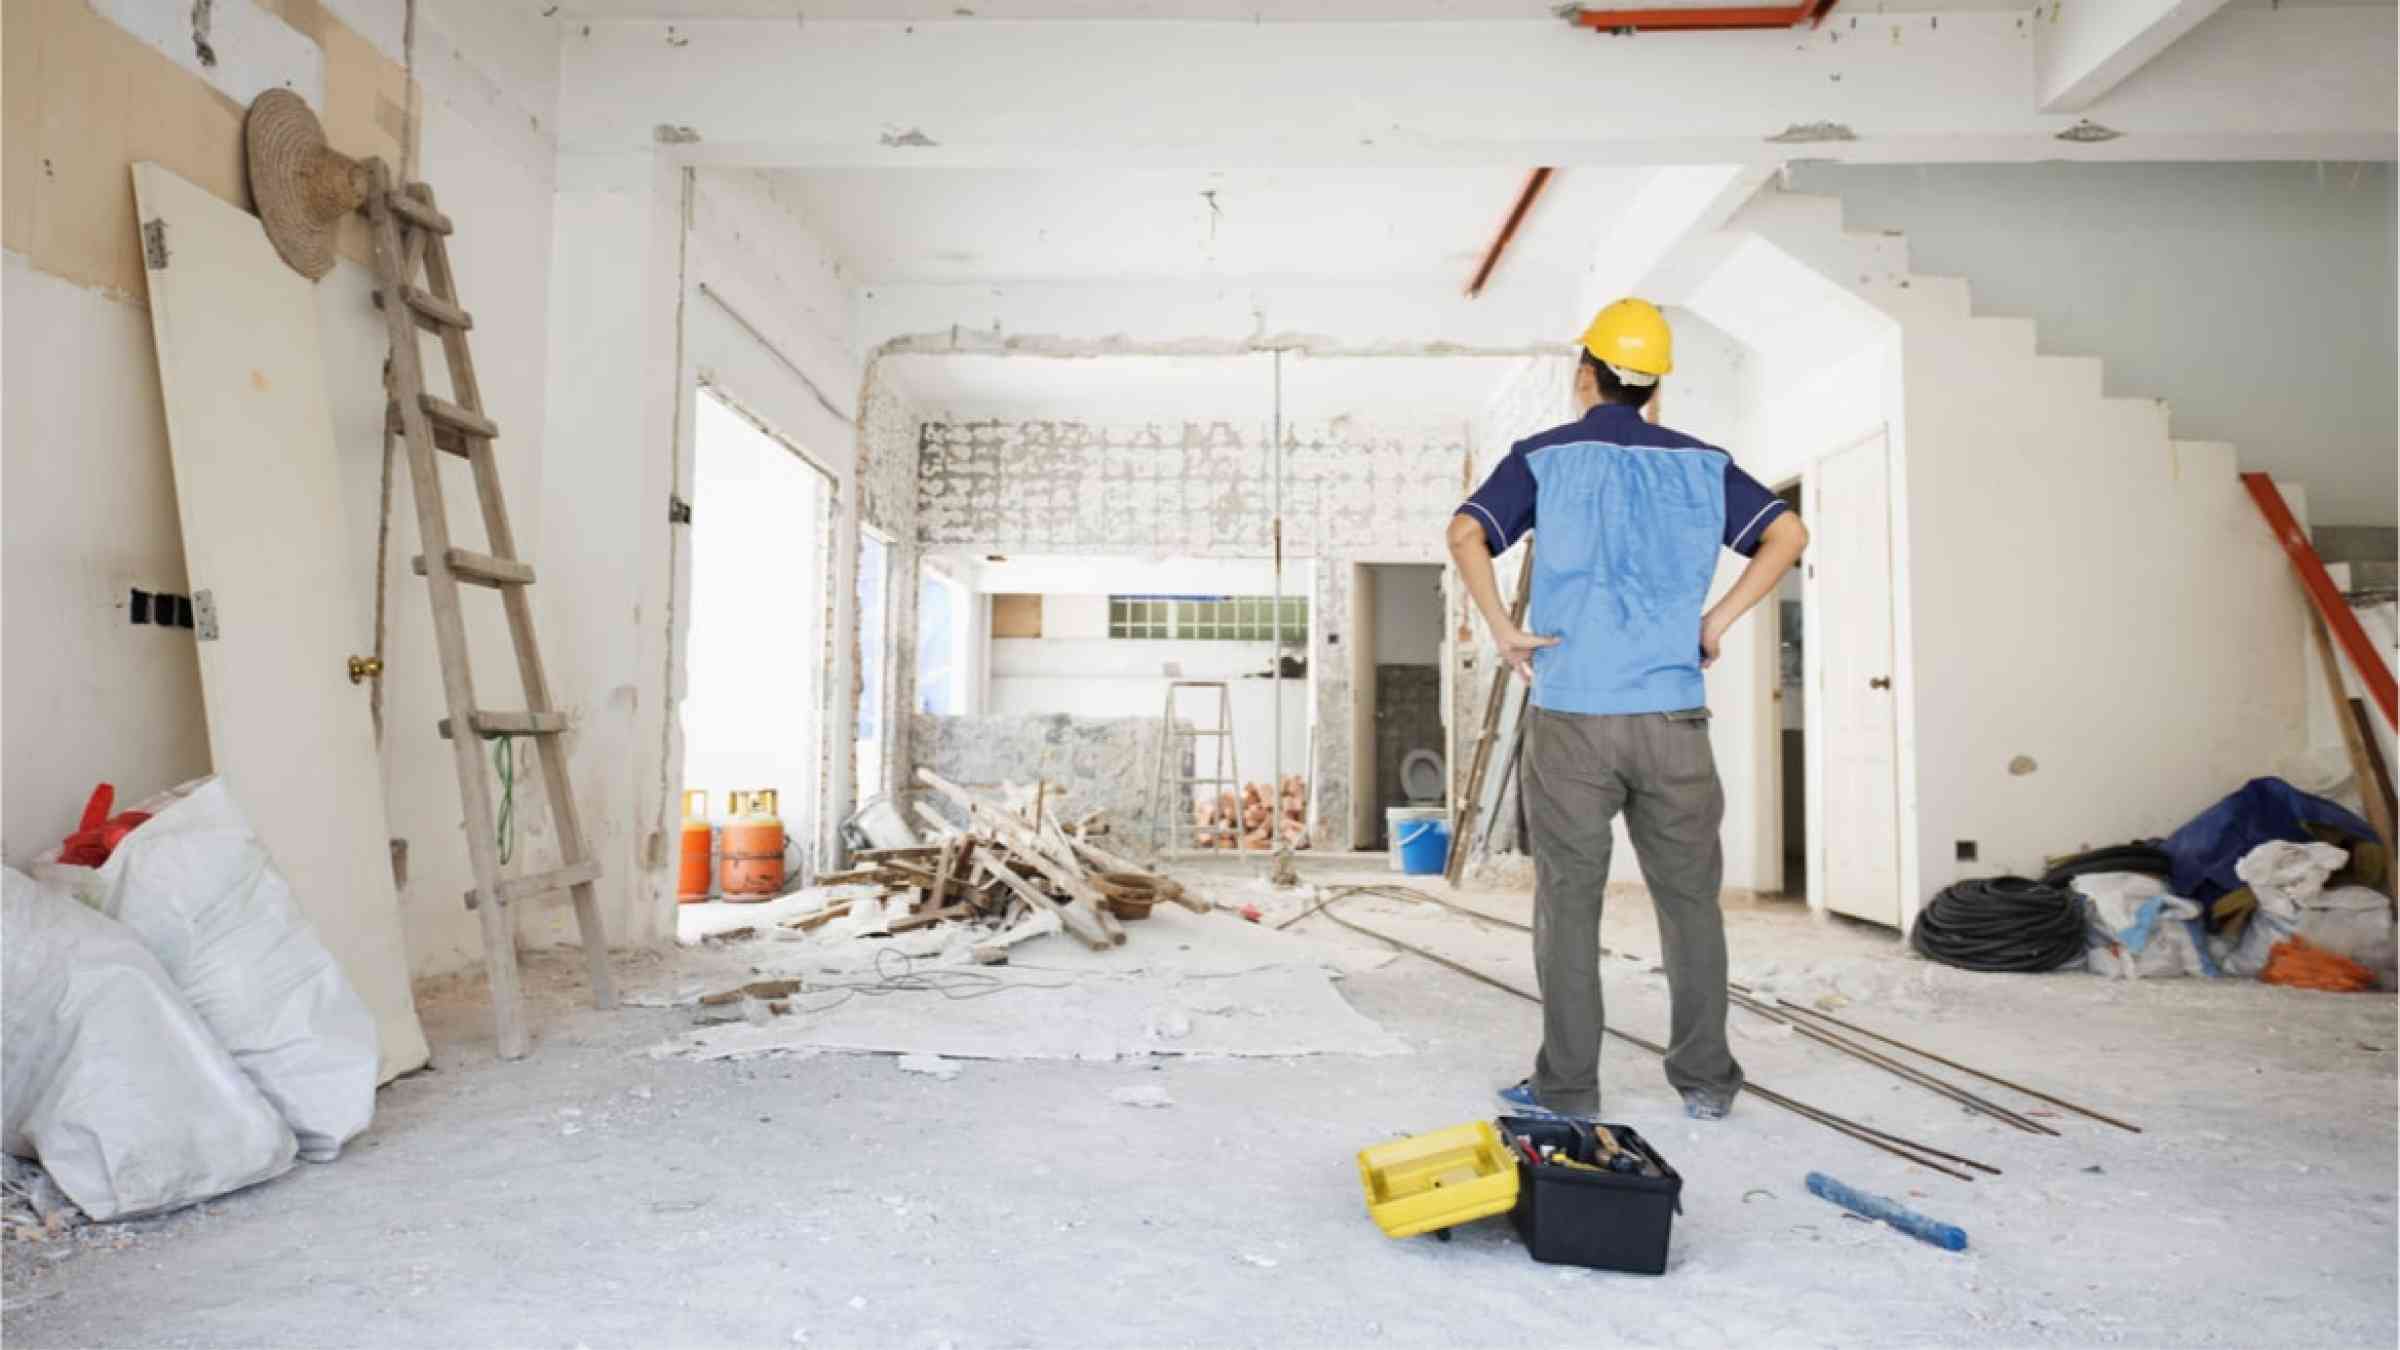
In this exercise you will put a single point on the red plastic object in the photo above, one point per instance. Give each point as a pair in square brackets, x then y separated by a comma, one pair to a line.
[1811, 12]
[100, 833]
[2339, 620]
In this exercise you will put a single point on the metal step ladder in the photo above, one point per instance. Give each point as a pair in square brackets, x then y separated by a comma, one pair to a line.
[410, 234]
[1171, 801]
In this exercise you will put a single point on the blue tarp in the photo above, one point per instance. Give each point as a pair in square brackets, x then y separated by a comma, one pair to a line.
[2264, 809]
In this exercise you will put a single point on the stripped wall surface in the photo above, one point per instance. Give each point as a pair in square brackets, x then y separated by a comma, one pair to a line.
[1197, 489]
[887, 491]
[1352, 492]
[1106, 764]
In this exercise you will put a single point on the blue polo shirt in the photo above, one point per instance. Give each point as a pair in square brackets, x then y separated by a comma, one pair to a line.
[1631, 517]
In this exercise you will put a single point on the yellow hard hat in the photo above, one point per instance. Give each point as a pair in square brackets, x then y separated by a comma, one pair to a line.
[1632, 335]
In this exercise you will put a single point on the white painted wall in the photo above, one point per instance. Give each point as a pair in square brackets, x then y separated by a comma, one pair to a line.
[2258, 300]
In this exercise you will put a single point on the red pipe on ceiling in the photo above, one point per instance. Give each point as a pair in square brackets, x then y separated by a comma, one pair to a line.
[1811, 12]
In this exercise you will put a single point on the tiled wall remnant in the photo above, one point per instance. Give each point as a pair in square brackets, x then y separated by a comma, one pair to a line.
[1191, 489]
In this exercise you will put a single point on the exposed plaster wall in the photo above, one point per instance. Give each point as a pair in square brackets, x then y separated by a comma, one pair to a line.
[887, 476]
[1352, 492]
[88, 476]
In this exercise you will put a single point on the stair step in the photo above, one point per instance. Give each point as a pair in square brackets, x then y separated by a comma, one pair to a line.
[482, 569]
[1940, 295]
[2069, 376]
[1880, 252]
[458, 419]
[435, 311]
[2005, 336]
[444, 439]
[490, 724]
[518, 890]
[2209, 458]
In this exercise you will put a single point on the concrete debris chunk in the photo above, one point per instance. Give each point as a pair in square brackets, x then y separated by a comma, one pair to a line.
[1148, 1094]
[932, 1066]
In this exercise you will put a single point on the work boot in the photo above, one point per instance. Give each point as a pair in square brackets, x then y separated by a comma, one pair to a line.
[1701, 1105]
[1521, 1102]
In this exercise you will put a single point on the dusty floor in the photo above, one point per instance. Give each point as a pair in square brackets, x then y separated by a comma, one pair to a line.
[593, 1195]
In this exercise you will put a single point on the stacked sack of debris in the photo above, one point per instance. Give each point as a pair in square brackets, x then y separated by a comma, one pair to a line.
[2270, 883]
[1254, 820]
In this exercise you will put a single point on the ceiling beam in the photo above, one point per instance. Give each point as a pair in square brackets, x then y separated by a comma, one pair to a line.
[2295, 83]
[2084, 50]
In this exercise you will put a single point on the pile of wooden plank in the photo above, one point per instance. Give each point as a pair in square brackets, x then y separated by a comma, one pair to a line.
[1011, 864]
[1253, 821]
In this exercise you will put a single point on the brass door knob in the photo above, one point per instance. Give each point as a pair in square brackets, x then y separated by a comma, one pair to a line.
[365, 668]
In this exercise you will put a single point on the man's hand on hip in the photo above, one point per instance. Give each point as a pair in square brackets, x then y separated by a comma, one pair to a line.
[1517, 648]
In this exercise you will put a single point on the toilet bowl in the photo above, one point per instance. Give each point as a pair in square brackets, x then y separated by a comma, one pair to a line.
[1421, 776]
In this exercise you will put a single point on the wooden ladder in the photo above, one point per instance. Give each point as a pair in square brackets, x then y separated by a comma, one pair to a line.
[409, 234]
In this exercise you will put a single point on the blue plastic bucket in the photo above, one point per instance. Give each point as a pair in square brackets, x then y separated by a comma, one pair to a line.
[1424, 846]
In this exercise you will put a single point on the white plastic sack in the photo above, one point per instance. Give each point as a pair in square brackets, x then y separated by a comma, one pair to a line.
[2286, 878]
[196, 885]
[2137, 931]
[109, 1078]
[2353, 921]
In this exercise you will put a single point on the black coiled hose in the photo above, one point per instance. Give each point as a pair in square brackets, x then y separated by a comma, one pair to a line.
[2144, 856]
[2001, 924]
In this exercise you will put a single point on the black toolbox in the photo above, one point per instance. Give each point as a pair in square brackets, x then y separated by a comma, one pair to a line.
[1582, 1217]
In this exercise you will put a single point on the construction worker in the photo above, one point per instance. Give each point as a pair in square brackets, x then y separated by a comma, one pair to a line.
[1631, 516]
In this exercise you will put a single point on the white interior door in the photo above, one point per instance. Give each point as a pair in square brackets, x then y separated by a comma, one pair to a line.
[1857, 723]
[251, 434]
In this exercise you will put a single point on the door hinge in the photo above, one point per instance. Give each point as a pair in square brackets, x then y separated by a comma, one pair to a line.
[679, 511]
[154, 245]
[204, 615]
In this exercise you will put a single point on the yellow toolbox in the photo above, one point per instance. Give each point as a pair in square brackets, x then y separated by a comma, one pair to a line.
[1428, 1182]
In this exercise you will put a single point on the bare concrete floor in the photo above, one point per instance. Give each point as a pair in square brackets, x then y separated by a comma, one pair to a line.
[592, 1195]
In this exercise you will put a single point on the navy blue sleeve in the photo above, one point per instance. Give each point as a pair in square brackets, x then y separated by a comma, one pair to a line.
[1749, 509]
[1504, 504]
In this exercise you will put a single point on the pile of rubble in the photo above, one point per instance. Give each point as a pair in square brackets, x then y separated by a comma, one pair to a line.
[1017, 871]
[1253, 822]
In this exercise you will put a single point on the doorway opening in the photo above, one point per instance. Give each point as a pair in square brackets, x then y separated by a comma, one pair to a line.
[752, 667]
[1791, 715]
[1397, 728]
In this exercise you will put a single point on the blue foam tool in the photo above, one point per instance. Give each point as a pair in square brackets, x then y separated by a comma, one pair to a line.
[1948, 1237]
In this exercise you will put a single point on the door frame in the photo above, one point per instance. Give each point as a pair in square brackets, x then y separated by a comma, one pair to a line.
[1765, 697]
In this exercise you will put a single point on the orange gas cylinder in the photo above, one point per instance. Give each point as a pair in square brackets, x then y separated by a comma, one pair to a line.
[691, 876]
[752, 848]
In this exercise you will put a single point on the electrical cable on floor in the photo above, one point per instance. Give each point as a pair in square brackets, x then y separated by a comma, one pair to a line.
[2003, 924]
[1908, 1149]
[956, 985]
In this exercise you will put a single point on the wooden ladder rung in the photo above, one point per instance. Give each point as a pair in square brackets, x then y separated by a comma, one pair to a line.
[518, 890]
[458, 419]
[435, 311]
[418, 213]
[489, 724]
[444, 439]
[482, 569]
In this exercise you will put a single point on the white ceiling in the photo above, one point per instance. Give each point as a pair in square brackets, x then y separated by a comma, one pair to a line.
[1243, 11]
[1325, 227]
[1410, 391]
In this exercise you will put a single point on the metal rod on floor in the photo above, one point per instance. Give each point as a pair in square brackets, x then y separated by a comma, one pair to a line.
[1963, 1068]
[1921, 1154]
[1747, 999]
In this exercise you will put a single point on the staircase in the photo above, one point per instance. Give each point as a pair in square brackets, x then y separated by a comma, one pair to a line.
[2075, 589]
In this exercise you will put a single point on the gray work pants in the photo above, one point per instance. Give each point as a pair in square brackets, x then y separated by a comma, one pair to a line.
[1577, 773]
